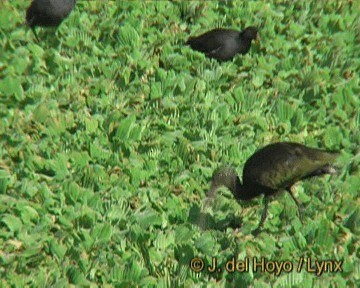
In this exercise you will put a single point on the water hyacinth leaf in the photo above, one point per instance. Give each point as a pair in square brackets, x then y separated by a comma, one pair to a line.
[155, 90]
[301, 240]
[332, 137]
[6, 19]
[352, 185]
[11, 86]
[138, 175]
[135, 271]
[341, 114]
[128, 37]
[28, 214]
[56, 126]
[125, 127]
[60, 166]
[352, 220]
[97, 152]
[12, 222]
[72, 192]
[290, 279]
[102, 233]
[87, 239]
[33, 255]
[6, 203]
[289, 245]
[88, 219]
[20, 63]
[224, 112]
[298, 120]
[183, 234]
[65, 222]
[41, 113]
[324, 236]
[5, 179]
[57, 249]
[105, 234]
[149, 281]
[148, 218]
[284, 111]
[136, 132]
[155, 255]
[258, 81]
[182, 149]
[348, 268]
[91, 125]
[207, 244]
[184, 253]
[80, 159]
[76, 277]
[120, 212]
[175, 210]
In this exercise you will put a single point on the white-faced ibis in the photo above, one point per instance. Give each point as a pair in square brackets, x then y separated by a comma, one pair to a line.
[224, 44]
[48, 13]
[273, 168]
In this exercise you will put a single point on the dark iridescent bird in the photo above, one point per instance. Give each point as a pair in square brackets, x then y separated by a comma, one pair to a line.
[273, 168]
[224, 44]
[48, 13]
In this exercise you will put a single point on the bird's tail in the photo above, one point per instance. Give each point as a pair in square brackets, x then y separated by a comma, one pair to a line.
[189, 41]
[326, 169]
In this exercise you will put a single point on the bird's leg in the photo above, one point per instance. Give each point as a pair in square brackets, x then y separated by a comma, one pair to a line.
[36, 36]
[263, 215]
[298, 204]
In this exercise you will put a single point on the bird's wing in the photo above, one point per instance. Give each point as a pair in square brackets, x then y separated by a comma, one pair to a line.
[210, 42]
[208, 45]
[286, 166]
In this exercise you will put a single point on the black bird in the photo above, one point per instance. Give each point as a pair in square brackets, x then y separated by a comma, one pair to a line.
[48, 13]
[224, 44]
[273, 168]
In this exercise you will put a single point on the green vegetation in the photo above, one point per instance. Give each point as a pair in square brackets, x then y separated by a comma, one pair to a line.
[111, 129]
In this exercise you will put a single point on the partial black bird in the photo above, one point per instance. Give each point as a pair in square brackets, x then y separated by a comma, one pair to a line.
[224, 44]
[48, 13]
[273, 168]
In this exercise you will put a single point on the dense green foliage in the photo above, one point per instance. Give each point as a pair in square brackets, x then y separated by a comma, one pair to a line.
[111, 129]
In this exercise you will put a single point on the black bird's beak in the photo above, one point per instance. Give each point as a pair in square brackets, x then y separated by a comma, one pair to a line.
[210, 194]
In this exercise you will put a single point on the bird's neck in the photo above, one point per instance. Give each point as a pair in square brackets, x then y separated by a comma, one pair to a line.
[240, 191]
